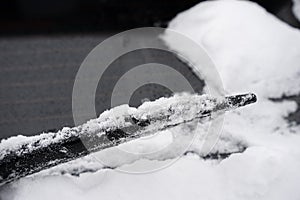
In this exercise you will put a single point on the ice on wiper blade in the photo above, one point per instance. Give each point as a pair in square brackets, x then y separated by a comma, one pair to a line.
[21, 156]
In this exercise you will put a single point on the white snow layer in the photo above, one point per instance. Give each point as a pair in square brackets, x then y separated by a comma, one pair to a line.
[296, 8]
[253, 52]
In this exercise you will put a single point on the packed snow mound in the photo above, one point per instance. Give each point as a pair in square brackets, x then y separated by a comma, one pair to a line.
[253, 51]
[296, 8]
[250, 47]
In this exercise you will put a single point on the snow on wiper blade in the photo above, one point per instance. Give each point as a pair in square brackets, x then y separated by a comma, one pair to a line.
[21, 156]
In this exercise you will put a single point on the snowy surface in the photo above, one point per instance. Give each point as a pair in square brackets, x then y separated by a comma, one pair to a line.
[296, 8]
[22, 144]
[253, 51]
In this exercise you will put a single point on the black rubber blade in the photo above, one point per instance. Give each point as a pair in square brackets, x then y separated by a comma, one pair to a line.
[35, 154]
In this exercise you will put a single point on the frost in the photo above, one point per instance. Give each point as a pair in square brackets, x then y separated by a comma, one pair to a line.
[22, 144]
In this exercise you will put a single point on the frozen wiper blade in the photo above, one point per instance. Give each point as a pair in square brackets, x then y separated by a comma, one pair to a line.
[22, 156]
